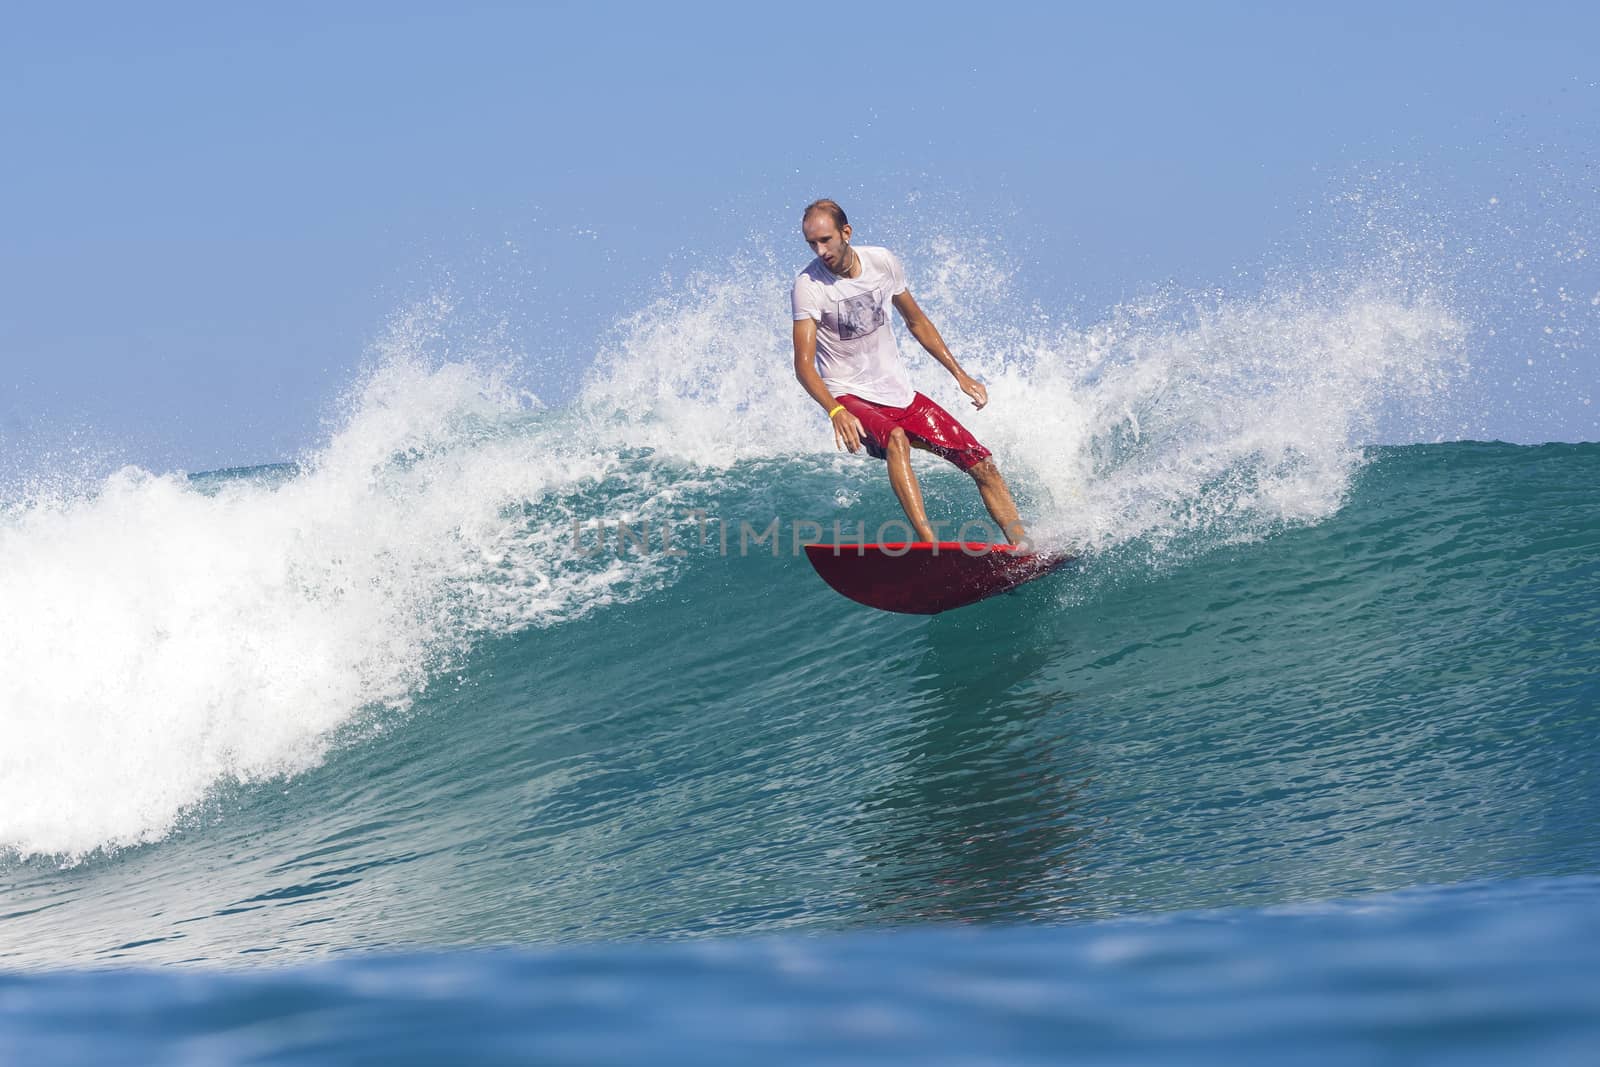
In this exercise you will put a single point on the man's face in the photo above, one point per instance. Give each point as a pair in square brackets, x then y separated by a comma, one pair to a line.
[827, 240]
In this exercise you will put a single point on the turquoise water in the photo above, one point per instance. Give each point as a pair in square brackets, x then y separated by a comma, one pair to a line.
[1298, 763]
[1402, 694]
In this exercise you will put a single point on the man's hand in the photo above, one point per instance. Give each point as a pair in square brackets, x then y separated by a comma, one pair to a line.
[847, 431]
[974, 388]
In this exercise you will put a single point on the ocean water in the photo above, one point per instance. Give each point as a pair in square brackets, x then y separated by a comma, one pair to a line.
[494, 729]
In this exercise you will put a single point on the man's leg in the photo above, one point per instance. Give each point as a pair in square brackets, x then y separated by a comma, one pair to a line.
[905, 484]
[997, 498]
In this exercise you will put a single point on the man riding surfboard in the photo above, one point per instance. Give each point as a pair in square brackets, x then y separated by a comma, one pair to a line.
[846, 358]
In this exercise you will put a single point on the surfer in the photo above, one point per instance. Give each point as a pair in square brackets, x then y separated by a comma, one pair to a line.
[846, 358]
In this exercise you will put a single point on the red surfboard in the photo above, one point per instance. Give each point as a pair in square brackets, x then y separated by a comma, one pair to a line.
[927, 577]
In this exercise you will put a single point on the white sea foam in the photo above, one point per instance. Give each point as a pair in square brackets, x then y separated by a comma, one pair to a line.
[159, 638]
[1179, 413]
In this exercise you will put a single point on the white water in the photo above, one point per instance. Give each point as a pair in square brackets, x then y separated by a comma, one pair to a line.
[158, 639]
[1180, 413]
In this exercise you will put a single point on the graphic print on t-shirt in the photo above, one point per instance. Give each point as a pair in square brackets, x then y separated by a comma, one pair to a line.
[860, 315]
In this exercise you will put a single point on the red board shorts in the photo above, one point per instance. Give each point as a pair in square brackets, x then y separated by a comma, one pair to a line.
[927, 424]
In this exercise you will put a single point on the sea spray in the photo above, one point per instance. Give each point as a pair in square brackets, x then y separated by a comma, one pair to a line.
[162, 635]
[1178, 412]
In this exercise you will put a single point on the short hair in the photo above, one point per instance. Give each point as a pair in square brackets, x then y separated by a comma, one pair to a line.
[828, 207]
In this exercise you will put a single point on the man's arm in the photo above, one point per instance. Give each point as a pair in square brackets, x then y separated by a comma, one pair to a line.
[927, 335]
[846, 427]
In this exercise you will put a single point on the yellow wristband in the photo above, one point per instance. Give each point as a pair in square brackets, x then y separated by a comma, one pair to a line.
[835, 411]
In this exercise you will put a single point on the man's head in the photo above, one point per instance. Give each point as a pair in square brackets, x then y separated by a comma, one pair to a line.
[827, 231]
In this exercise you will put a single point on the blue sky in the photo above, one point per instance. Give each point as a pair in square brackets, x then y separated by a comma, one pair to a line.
[211, 210]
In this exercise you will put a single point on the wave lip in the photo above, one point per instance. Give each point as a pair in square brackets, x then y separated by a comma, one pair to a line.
[163, 635]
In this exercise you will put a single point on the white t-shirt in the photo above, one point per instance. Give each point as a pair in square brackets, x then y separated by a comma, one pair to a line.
[856, 352]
